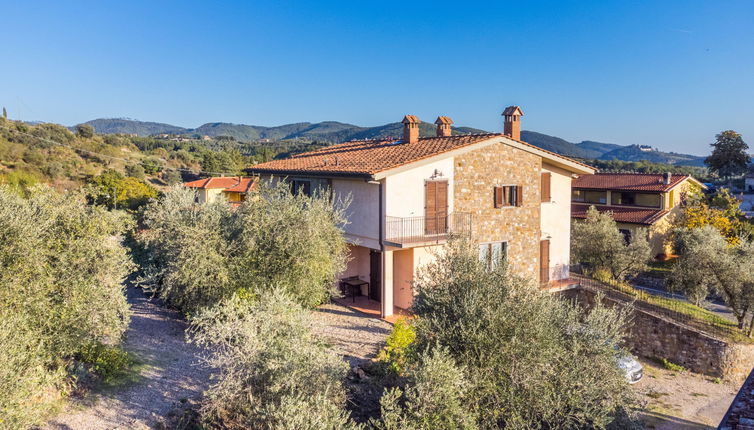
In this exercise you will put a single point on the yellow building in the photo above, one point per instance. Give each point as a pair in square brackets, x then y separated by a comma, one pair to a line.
[233, 188]
[640, 203]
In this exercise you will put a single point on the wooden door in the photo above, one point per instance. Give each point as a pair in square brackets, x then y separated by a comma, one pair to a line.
[544, 261]
[435, 207]
[375, 276]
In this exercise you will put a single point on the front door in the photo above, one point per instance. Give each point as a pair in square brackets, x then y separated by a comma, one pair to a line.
[436, 207]
[375, 275]
[544, 261]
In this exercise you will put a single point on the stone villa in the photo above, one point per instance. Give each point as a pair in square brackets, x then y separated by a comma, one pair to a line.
[511, 198]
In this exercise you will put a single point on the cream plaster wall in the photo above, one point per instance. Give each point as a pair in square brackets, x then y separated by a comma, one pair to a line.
[404, 191]
[363, 212]
[403, 277]
[555, 221]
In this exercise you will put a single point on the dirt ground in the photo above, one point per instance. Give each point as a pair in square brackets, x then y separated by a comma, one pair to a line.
[682, 400]
[170, 374]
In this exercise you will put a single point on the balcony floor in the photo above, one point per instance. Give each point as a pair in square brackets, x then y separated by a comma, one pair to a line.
[372, 308]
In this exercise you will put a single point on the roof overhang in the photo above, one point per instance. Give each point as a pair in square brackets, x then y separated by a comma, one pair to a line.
[554, 159]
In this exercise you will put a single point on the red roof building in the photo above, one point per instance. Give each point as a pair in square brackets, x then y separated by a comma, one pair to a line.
[639, 203]
[233, 188]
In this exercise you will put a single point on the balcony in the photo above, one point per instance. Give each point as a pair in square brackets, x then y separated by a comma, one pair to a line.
[421, 230]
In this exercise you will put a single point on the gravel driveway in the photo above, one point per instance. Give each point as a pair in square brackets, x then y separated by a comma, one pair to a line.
[356, 336]
[170, 374]
[682, 400]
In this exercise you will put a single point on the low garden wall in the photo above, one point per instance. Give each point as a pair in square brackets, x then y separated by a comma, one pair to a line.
[656, 336]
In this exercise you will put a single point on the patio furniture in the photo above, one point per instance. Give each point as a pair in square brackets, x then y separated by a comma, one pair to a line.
[354, 284]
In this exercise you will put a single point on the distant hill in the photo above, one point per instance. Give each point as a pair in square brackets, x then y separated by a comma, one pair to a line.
[636, 153]
[335, 132]
[558, 145]
[131, 126]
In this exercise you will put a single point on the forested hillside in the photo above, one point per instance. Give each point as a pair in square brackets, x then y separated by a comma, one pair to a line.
[329, 132]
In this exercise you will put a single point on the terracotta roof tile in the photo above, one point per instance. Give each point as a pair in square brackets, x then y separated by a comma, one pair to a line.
[628, 181]
[443, 120]
[368, 157]
[627, 215]
[227, 183]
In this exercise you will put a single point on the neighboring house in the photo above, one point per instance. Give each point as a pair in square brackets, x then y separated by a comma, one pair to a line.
[232, 188]
[749, 183]
[640, 203]
[510, 198]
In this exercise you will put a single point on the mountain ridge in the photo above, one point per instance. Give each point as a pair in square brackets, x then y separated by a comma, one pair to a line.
[336, 132]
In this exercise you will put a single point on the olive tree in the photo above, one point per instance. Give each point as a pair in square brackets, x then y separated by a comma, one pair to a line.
[61, 292]
[709, 263]
[198, 254]
[597, 243]
[274, 373]
[435, 397]
[531, 359]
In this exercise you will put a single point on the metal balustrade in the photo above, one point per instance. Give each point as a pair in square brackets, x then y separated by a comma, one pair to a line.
[422, 229]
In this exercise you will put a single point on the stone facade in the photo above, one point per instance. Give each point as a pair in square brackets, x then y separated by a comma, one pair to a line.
[476, 173]
[654, 336]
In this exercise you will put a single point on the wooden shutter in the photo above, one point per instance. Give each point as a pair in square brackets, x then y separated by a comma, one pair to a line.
[441, 210]
[430, 206]
[546, 177]
[519, 194]
[544, 261]
[498, 197]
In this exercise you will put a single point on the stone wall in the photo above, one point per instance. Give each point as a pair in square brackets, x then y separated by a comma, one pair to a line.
[475, 175]
[654, 336]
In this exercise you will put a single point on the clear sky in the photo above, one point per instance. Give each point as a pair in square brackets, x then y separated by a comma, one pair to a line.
[671, 74]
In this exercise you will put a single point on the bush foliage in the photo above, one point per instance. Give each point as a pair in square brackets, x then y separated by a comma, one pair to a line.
[520, 349]
[60, 292]
[200, 254]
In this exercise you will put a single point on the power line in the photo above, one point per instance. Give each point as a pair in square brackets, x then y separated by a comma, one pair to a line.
[125, 160]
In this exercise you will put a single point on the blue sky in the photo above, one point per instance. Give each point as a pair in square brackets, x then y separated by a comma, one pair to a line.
[666, 73]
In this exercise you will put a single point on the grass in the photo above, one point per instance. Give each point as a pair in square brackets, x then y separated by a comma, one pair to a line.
[693, 312]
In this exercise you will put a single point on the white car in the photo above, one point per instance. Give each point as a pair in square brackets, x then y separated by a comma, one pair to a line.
[631, 366]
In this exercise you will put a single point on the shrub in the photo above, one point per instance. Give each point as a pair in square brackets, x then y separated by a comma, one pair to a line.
[395, 353]
[672, 366]
[106, 361]
[60, 291]
[435, 398]
[521, 349]
[274, 373]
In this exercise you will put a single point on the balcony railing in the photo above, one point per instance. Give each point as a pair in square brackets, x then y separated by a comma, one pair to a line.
[422, 229]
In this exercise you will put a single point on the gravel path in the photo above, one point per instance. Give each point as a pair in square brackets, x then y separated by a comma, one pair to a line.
[356, 336]
[170, 373]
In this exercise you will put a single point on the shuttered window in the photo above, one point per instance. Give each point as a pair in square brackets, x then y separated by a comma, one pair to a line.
[493, 254]
[508, 195]
[546, 178]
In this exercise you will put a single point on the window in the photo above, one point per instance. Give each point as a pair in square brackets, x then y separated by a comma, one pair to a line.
[585, 196]
[636, 199]
[302, 186]
[626, 235]
[545, 186]
[493, 254]
[508, 195]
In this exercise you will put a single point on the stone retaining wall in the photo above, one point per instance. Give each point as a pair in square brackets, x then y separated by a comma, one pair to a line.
[654, 336]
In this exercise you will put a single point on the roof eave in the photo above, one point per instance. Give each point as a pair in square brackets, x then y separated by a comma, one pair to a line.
[309, 173]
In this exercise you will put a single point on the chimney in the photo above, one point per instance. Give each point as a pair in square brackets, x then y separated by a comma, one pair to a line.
[443, 126]
[512, 122]
[666, 178]
[410, 129]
